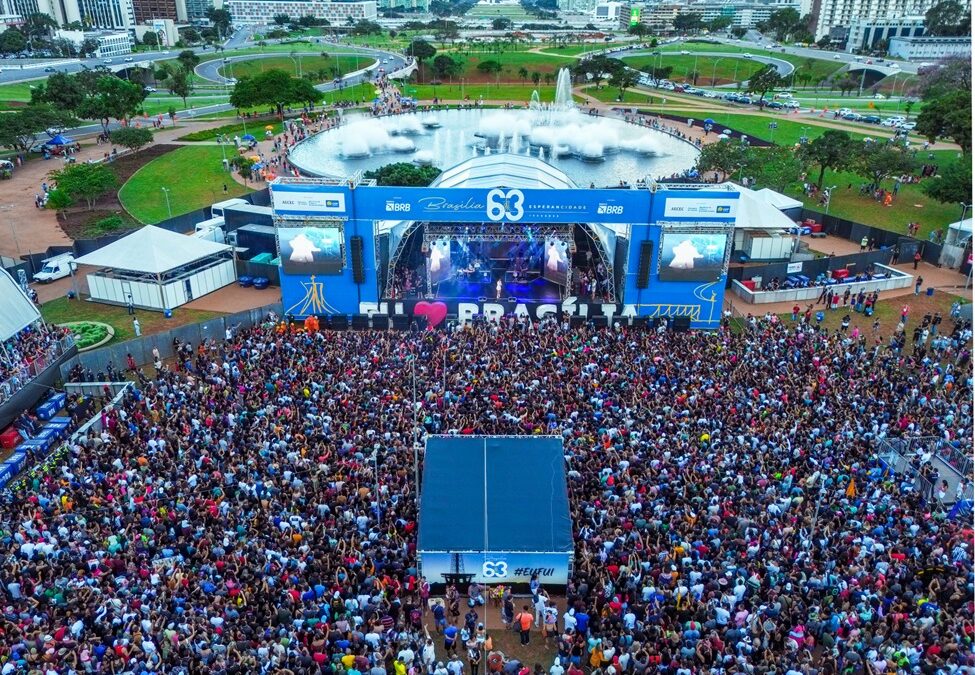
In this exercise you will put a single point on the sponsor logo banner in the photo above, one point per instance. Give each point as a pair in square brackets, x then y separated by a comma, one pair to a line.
[498, 568]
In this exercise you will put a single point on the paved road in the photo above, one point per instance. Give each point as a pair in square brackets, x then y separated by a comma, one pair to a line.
[210, 70]
[822, 54]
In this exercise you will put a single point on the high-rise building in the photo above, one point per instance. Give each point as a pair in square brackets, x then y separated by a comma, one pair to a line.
[865, 35]
[659, 17]
[197, 9]
[832, 14]
[147, 10]
[263, 11]
[103, 13]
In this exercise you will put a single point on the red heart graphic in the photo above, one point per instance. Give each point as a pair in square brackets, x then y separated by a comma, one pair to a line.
[435, 312]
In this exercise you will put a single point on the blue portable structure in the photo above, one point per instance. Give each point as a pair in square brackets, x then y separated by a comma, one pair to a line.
[494, 509]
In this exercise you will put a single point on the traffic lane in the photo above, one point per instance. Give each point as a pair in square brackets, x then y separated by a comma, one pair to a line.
[210, 70]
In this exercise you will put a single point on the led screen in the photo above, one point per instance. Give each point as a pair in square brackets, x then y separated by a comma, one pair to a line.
[311, 250]
[691, 256]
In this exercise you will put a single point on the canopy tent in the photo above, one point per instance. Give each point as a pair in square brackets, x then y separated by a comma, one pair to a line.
[60, 139]
[152, 250]
[778, 200]
[158, 269]
[959, 233]
[16, 309]
[756, 212]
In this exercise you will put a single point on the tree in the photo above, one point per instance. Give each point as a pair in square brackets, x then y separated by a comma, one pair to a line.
[490, 67]
[536, 77]
[763, 82]
[638, 29]
[12, 41]
[221, 20]
[549, 78]
[244, 166]
[833, 150]
[688, 23]
[403, 174]
[622, 79]
[726, 156]
[132, 138]
[776, 167]
[273, 87]
[877, 161]
[784, 23]
[281, 19]
[719, 23]
[445, 66]
[502, 23]
[948, 116]
[65, 92]
[421, 50]
[38, 25]
[953, 185]
[948, 18]
[85, 181]
[88, 48]
[523, 74]
[188, 59]
[847, 84]
[948, 75]
[179, 83]
[20, 129]
[58, 200]
[150, 39]
[365, 27]
[189, 34]
[738, 32]
[112, 98]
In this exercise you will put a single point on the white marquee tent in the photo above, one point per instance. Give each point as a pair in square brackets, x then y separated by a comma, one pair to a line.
[157, 269]
[16, 309]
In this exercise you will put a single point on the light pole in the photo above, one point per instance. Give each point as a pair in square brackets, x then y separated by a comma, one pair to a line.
[416, 448]
[772, 126]
[805, 135]
[829, 198]
[714, 70]
[964, 209]
[169, 207]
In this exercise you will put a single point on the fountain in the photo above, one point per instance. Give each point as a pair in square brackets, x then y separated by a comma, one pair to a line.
[590, 149]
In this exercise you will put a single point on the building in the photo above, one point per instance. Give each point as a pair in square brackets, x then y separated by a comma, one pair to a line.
[22, 8]
[147, 10]
[608, 13]
[337, 13]
[864, 35]
[196, 10]
[94, 14]
[110, 43]
[929, 48]
[165, 30]
[831, 14]
[409, 5]
[659, 17]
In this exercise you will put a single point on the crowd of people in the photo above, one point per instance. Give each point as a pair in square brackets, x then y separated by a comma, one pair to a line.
[251, 508]
[24, 354]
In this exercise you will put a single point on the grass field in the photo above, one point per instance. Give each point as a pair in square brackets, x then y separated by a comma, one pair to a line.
[324, 69]
[17, 91]
[821, 68]
[910, 205]
[580, 49]
[723, 69]
[507, 91]
[256, 127]
[63, 310]
[194, 176]
[788, 132]
[608, 94]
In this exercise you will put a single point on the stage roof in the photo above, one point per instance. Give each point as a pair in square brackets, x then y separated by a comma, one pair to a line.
[490, 493]
[503, 170]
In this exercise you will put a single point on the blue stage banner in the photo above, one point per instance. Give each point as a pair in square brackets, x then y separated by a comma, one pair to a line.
[323, 201]
[697, 206]
[501, 205]
[498, 568]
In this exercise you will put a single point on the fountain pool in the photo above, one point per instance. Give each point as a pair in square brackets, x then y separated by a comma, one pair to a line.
[587, 148]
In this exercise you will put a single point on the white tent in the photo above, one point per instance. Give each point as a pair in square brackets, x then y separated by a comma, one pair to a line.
[762, 231]
[158, 269]
[16, 309]
[959, 233]
[152, 250]
[778, 200]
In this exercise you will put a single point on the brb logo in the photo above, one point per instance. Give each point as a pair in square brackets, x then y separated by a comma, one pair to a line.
[494, 569]
[505, 205]
[397, 207]
[609, 209]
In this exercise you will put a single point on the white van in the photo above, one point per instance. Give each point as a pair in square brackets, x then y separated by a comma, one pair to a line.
[54, 268]
[217, 210]
[210, 230]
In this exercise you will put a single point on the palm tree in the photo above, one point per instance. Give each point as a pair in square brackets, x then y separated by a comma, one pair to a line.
[523, 74]
[536, 78]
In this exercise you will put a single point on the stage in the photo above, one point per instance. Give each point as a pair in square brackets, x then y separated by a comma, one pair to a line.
[537, 290]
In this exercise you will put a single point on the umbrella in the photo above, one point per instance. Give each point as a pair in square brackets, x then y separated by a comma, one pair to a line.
[60, 140]
[258, 165]
[723, 137]
[255, 158]
[269, 127]
[709, 121]
[248, 137]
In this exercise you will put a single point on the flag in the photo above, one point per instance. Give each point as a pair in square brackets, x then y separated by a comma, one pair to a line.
[851, 489]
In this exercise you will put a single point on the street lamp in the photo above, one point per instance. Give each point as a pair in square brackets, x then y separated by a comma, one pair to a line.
[804, 138]
[169, 207]
[829, 198]
[772, 126]
[964, 209]
[714, 70]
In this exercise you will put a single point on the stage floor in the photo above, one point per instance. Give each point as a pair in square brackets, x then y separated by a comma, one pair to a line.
[539, 290]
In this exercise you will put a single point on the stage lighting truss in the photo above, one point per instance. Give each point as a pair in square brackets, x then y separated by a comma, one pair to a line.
[497, 232]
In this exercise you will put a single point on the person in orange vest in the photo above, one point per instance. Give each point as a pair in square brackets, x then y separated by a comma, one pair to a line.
[524, 620]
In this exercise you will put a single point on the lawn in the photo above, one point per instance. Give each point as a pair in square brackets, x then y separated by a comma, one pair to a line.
[608, 94]
[724, 69]
[325, 69]
[17, 91]
[194, 176]
[507, 91]
[820, 68]
[910, 205]
[63, 310]
[787, 132]
[578, 50]
[256, 127]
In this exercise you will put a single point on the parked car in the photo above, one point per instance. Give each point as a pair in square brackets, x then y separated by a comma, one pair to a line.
[871, 119]
[892, 121]
[54, 268]
[792, 104]
[128, 59]
[906, 126]
[775, 105]
[836, 57]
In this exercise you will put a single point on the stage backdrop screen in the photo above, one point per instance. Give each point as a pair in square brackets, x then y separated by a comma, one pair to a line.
[691, 256]
[311, 250]
[439, 261]
[556, 267]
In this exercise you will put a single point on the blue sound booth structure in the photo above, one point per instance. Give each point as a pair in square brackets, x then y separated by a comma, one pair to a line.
[494, 509]
[503, 234]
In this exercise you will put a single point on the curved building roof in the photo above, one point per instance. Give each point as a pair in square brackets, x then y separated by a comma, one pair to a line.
[503, 170]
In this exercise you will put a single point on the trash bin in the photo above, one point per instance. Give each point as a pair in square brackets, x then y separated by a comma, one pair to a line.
[168, 314]
[930, 291]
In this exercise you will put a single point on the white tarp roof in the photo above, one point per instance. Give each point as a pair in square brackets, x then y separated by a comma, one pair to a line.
[16, 310]
[962, 226]
[756, 213]
[778, 200]
[152, 250]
